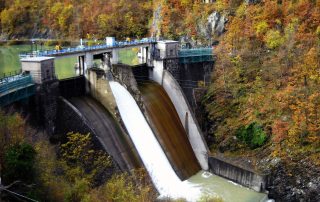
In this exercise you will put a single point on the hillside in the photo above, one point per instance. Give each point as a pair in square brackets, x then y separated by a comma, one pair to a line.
[73, 19]
[264, 98]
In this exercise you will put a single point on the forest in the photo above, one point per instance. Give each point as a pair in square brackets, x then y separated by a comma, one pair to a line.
[96, 19]
[74, 19]
[73, 171]
[265, 89]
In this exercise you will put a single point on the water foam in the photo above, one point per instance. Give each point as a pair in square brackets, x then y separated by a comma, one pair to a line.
[206, 175]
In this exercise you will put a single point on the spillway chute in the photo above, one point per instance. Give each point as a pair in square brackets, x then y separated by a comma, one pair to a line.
[162, 174]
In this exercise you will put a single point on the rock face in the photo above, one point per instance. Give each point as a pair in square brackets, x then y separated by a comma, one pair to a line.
[293, 180]
[216, 23]
[156, 20]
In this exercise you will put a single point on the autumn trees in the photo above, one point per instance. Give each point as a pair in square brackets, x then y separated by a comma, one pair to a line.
[269, 63]
[73, 171]
[75, 19]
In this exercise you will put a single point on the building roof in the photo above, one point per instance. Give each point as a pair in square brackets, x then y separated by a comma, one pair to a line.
[36, 59]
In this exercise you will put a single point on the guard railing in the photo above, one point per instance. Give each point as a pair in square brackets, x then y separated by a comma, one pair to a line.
[96, 47]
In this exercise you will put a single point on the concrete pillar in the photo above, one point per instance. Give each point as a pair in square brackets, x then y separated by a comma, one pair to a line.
[108, 61]
[149, 53]
[88, 62]
[144, 54]
[105, 63]
[141, 52]
[79, 66]
[115, 56]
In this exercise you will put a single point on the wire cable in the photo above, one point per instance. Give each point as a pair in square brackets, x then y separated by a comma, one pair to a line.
[19, 195]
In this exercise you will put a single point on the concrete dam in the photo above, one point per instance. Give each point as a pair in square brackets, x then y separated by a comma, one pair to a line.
[139, 115]
[160, 144]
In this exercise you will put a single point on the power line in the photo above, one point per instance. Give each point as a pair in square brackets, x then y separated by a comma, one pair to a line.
[19, 195]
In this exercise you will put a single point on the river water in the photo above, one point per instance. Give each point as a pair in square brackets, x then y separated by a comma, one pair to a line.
[9, 60]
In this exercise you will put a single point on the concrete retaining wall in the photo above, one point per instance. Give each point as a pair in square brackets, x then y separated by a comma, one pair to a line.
[242, 176]
[191, 125]
[98, 88]
[157, 72]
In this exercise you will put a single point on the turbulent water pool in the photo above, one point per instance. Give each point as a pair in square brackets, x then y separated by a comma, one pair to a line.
[213, 185]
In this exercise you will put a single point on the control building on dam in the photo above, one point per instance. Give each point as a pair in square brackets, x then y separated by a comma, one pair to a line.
[162, 87]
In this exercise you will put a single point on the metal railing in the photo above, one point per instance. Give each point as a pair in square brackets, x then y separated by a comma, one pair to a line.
[196, 55]
[15, 84]
[195, 52]
[19, 88]
[96, 47]
[9, 74]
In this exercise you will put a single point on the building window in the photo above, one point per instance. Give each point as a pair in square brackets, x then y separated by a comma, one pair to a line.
[48, 74]
[171, 52]
[27, 72]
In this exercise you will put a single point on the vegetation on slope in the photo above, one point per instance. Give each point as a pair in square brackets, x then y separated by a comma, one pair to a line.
[73, 172]
[266, 80]
[76, 19]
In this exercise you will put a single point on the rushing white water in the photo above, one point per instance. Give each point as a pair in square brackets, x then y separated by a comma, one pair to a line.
[163, 176]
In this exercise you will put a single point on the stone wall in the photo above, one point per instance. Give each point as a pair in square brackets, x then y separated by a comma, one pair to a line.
[69, 120]
[172, 66]
[45, 105]
[242, 176]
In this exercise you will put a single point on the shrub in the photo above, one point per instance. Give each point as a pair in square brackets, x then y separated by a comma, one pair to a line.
[19, 163]
[253, 135]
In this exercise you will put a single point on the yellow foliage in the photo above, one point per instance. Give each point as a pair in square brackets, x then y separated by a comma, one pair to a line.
[200, 83]
[273, 39]
[262, 27]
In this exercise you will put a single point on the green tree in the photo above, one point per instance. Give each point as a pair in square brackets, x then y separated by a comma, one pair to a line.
[19, 161]
[81, 161]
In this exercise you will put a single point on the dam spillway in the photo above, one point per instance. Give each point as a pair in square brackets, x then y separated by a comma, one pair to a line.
[168, 129]
[162, 174]
[116, 143]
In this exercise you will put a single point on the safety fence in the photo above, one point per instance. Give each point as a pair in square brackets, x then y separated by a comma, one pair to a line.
[89, 48]
[196, 55]
[16, 89]
[6, 75]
